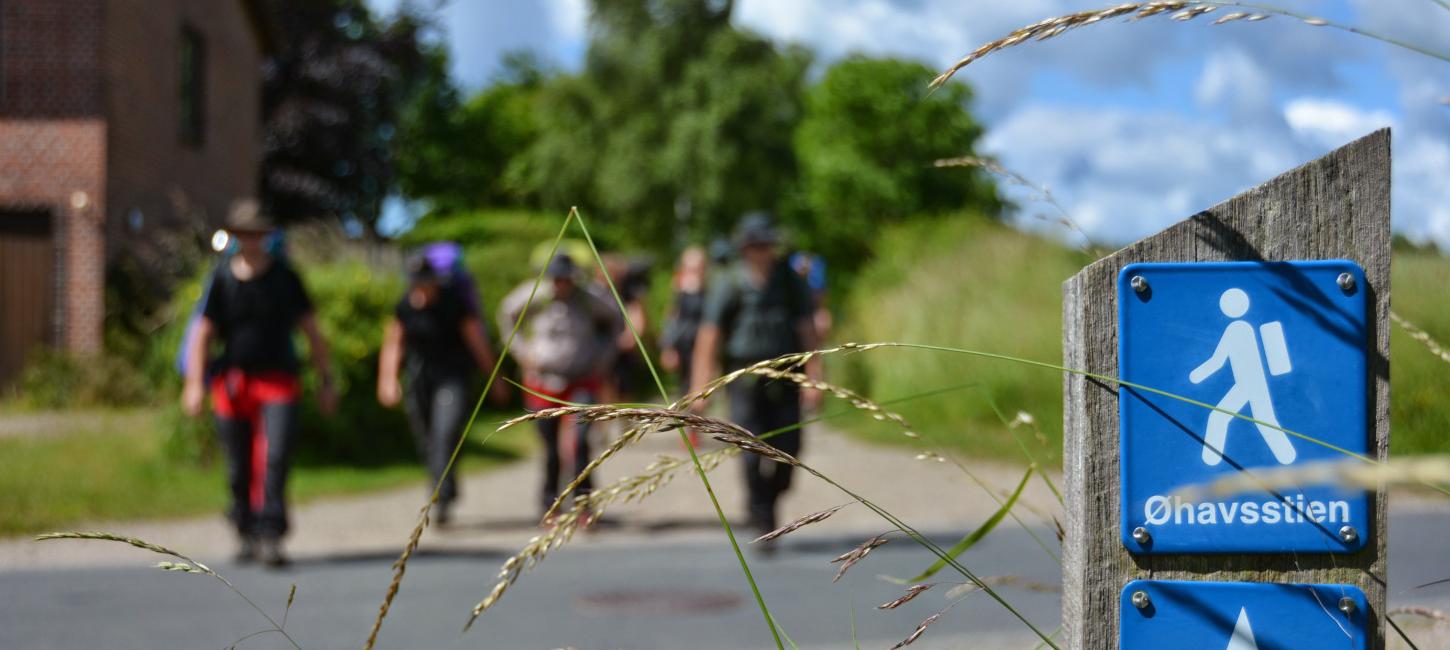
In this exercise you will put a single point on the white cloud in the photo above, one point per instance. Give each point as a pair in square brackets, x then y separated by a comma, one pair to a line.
[1237, 83]
[1125, 173]
[1330, 122]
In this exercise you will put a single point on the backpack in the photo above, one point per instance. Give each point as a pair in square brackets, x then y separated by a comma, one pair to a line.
[751, 337]
[446, 258]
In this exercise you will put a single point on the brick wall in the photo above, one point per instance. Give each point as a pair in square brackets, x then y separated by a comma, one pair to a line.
[162, 191]
[59, 166]
[50, 64]
[89, 132]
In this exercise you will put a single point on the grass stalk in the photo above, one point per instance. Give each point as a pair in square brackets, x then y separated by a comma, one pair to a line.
[400, 567]
[189, 566]
[685, 438]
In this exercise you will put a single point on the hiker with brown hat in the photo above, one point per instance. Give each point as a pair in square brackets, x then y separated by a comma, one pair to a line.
[254, 302]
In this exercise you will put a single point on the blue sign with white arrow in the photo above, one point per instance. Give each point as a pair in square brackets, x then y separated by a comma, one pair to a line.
[1239, 367]
[1156, 614]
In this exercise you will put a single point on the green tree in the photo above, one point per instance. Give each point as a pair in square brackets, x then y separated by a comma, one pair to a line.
[330, 99]
[677, 124]
[866, 145]
[458, 155]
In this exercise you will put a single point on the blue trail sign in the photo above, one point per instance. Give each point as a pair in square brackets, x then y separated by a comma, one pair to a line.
[1156, 614]
[1272, 346]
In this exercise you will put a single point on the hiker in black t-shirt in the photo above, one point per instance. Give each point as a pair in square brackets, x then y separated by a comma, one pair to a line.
[436, 339]
[253, 304]
[759, 309]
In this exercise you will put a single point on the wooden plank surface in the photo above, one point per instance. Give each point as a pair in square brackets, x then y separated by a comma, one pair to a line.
[1336, 207]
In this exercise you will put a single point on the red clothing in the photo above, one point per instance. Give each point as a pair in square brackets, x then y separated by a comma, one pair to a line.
[236, 394]
[533, 402]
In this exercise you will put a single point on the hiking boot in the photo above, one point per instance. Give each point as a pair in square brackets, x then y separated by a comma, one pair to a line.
[271, 553]
[247, 551]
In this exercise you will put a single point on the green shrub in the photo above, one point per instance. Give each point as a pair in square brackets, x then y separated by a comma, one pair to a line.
[352, 301]
[55, 379]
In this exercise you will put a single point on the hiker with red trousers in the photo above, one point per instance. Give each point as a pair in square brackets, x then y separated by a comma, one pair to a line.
[253, 304]
[563, 348]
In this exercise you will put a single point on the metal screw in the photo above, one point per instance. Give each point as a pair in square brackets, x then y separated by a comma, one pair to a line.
[1348, 534]
[1346, 605]
[1345, 282]
[1138, 283]
[1142, 537]
[1141, 600]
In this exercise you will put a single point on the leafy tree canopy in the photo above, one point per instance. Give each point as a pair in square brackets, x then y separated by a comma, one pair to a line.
[679, 122]
[866, 146]
[331, 99]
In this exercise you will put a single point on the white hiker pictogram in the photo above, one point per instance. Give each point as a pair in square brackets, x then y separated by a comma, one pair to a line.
[1243, 637]
[1239, 348]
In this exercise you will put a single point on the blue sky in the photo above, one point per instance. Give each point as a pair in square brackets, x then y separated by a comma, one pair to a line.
[1132, 125]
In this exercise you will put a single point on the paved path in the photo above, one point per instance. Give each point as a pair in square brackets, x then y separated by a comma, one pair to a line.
[660, 576]
[498, 508]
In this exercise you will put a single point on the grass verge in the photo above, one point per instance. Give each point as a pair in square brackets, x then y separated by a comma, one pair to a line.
[971, 283]
[89, 473]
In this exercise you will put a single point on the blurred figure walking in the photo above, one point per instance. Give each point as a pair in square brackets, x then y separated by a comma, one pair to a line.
[759, 309]
[563, 348]
[436, 341]
[687, 310]
[627, 367]
[253, 304]
[812, 269]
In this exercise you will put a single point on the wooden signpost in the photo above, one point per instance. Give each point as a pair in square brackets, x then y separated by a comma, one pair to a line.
[1334, 208]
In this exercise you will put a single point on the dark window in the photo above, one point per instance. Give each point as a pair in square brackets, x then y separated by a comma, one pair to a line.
[192, 74]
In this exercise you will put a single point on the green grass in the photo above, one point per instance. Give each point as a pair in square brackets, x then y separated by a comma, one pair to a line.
[966, 282]
[962, 282]
[1419, 401]
[62, 478]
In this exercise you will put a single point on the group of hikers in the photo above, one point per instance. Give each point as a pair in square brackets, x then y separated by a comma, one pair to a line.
[742, 302]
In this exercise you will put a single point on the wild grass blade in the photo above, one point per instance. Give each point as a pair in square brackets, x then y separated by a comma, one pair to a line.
[1179, 11]
[976, 536]
[1419, 334]
[400, 567]
[191, 566]
[684, 438]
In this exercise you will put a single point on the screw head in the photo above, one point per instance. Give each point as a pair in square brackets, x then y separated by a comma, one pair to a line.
[1345, 282]
[1139, 283]
[1346, 605]
[1141, 599]
[1142, 536]
[1348, 534]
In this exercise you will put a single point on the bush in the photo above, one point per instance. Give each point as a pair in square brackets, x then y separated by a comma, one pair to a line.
[55, 379]
[352, 301]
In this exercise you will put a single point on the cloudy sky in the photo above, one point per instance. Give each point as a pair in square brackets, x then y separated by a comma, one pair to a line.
[1133, 126]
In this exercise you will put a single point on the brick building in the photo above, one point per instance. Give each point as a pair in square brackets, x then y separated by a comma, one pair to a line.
[121, 121]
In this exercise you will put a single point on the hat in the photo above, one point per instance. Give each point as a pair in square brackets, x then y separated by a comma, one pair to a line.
[420, 270]
[562, 266]
[756, 228]
[246, 216]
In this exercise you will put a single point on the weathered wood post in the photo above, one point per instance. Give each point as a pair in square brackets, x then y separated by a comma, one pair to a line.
[1334, 208]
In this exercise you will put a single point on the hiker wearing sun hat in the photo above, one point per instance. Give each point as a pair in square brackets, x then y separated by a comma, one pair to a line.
[254, 303]
[759, 309]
